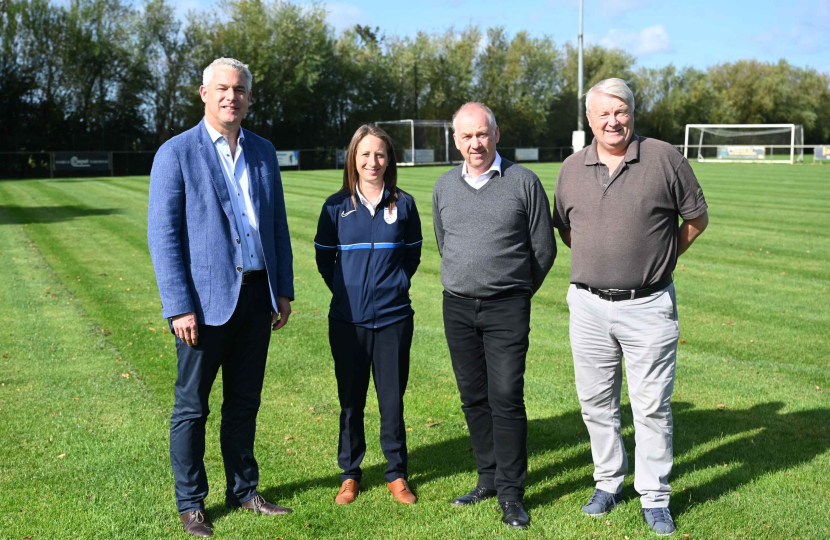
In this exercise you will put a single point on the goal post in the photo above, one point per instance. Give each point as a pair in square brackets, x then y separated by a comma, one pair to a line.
[745, 143]
[420, 142]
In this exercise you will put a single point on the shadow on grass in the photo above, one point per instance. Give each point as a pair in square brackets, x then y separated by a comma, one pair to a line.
[764, 441]
[20, 215]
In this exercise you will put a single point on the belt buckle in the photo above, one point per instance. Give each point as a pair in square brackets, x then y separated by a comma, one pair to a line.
[632, 294]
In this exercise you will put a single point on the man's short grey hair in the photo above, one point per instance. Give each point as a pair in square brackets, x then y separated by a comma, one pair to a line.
[612, 87]
[491, 118]
[231, 63]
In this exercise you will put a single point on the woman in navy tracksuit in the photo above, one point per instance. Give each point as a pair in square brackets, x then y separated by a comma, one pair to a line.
[368, 248]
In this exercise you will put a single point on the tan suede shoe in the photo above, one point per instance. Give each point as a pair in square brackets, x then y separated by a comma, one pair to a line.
[400, 489]
[348, 492]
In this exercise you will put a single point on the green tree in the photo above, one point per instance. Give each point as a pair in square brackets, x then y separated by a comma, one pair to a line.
[162, 56]
[97, 60]
[598, 63]
[668, 99]
[520, 81]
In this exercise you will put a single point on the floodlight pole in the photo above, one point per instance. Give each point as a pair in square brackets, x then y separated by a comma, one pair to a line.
[581, 112]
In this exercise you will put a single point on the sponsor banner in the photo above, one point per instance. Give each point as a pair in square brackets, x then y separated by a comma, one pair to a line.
[527, 154]
[81, 161]
[821, 153]
[425, 155]
[741, 152]
[288, 158]
[341, 156]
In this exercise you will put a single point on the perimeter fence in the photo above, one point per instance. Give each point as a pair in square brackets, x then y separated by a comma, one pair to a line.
[20, 165]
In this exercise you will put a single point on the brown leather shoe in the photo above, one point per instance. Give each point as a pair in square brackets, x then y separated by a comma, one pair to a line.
[258, 505]
[348, 492]
[196, 523]
[400, 489]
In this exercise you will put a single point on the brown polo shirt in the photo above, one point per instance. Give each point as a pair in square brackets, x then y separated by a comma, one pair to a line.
[624, 226]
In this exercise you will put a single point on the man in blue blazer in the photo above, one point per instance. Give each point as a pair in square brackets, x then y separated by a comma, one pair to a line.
[219, 241]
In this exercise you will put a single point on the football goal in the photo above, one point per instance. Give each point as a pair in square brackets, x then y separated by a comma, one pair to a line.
[420, 142]
[745, 143]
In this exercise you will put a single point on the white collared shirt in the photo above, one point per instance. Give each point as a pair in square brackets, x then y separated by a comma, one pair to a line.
[235, 171]
[372, 206]
[477, 182]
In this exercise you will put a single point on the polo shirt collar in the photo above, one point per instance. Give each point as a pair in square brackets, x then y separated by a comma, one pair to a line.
[364, 201]
[632, 153]
[496, 166]
[215, 135]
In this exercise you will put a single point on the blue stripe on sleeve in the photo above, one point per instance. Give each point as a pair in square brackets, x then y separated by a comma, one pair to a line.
[388, 245]
[368, 245]
[348, 247]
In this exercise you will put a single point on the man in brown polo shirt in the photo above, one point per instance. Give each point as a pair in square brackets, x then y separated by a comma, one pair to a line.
[617, 204]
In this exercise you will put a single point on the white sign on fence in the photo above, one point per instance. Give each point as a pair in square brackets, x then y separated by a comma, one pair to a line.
[741, 152]
[821, 153]
[527, 154]
[288, 158]
[422, 155]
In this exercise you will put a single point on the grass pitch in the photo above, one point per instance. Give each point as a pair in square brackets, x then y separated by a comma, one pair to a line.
[87, 370]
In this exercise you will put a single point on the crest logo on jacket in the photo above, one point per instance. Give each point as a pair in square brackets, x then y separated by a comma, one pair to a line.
[390, 217]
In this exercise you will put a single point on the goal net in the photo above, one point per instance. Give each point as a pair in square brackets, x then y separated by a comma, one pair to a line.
[421, 142]
[745, 143]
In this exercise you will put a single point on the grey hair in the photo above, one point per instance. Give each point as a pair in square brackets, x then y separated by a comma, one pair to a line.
[612, 87]
[231, 63]
[491, 118]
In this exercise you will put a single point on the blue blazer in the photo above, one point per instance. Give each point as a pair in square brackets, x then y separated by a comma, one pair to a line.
[193, 238]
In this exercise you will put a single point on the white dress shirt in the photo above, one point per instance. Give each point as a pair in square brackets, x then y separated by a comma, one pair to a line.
[235, 171]
[477, 182]
[372, 206]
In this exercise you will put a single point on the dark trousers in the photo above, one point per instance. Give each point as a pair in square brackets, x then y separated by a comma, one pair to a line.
[384, 352]
[488, 341]
[239, 347]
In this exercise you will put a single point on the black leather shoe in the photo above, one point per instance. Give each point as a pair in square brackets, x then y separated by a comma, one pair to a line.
[258, 505]
[514, 514]
[196, 523]
[477, 495]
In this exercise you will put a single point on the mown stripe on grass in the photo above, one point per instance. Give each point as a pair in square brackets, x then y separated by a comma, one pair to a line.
[83, 453]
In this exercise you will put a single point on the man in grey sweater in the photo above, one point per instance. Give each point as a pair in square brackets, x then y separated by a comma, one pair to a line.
[493, 226]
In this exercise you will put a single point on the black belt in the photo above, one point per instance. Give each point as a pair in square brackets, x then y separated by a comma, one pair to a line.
[632, 294]
[254, 276]
[515, 293]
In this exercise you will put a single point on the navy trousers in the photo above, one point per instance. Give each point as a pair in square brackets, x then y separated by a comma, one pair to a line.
[239, 347]
[384, 352]
[488, 342]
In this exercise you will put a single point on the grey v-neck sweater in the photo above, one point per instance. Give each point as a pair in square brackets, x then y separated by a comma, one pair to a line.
[494, 240]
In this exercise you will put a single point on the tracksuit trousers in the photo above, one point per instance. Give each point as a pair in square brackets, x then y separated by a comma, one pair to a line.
[382, 353]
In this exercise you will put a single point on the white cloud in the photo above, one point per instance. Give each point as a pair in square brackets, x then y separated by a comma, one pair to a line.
[342, 15]
[798, 39]
[650, 40]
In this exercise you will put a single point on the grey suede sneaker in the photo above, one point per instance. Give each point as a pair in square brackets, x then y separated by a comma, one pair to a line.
[660, 521]
[601, 503]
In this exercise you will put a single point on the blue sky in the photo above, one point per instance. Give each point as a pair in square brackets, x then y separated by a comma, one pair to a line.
[698, 33]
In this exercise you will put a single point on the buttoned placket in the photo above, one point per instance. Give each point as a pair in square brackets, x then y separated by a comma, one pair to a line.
[240, 204]
[231, 164]
[604, 181]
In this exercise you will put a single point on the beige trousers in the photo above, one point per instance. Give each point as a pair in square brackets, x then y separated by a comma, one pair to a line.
[645, 332]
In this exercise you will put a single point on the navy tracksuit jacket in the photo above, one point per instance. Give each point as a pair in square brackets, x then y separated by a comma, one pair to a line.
[368, 262]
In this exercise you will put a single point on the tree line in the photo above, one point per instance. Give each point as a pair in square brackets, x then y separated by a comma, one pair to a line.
[104, 75]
